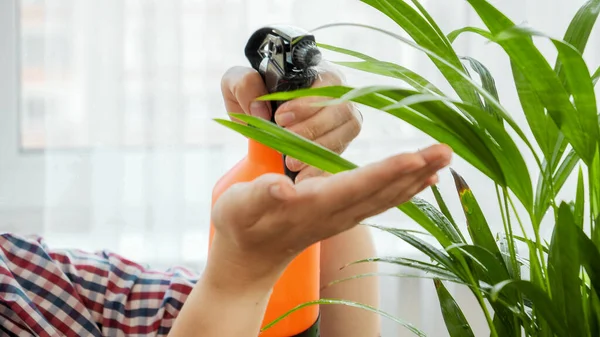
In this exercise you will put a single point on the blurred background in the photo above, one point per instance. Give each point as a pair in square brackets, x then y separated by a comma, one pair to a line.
[106, 132]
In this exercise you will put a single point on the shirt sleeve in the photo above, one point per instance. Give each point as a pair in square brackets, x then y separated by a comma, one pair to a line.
[75, 293]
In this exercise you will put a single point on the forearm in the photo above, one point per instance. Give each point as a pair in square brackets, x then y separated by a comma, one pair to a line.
[224, 303]
[340, 320]
[211, 311]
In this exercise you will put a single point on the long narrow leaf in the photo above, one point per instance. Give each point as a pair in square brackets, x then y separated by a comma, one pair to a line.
[579, 30]
[372, 65]
[434, 253]
[576, 126]
[398, 275]
[564, 264]
[445, 211]
[574, 68]
[542, 126]
[596, 76]
[545, 193]
[327, 301]
[543, 304]
[442, 222]
[487, 82]
[426, 36]
[410, 263]
[456, 33]
[579, 201]
[395, 71]
[476, 222]
[594, 187]
[455, 320]
[590, 259]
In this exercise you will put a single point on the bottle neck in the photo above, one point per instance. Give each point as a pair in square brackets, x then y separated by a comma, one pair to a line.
[258, 152]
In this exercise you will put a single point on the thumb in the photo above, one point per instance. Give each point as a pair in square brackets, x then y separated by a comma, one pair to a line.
[241, 87]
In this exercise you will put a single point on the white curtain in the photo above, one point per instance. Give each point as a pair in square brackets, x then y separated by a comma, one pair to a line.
[115, 146]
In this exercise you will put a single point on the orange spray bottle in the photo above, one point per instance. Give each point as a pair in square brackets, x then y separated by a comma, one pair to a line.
[285, 57]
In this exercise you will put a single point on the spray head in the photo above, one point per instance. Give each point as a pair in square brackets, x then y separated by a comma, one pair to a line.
[285, 56]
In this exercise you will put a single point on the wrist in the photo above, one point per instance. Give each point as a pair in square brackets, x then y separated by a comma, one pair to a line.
[232, 270]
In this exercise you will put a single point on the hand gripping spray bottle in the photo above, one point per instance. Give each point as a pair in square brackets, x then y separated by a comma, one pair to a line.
[285, 57]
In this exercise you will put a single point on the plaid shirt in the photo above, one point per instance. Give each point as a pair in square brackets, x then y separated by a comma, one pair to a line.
[72, 293]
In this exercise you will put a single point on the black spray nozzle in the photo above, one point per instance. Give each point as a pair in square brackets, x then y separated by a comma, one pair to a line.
[286, 57]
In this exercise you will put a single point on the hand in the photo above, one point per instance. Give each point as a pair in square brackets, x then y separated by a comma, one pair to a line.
[263, 224]
[333, 127]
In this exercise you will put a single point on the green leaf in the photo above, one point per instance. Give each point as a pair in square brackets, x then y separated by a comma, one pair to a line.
[590, 258]
[535, 269]
[543, 304]
[295, 146]
[347, 52]
[429, 250]
[547, 190]
[542, 126]
[394, 71]
[432, 22]
[476, 223]
[422, 214]
[446, 212]
[455, 320]
[328, 301]
[577, 126]
[487, 82]
[440, 220]
[564, 265]
[456, 33]
[426, 36]
[594, 186]
[573, 67]
[596, 76]
[530, 242]
[579, 30]
[579, 200]
[537, 278]
[429, 268]
[375, 66]
[398, 275]
[492, 271]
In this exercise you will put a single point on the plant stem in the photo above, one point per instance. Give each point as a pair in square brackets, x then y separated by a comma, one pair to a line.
[501, 206]
[513, 253]
[518, 217]
[486, 312]
[538, 243]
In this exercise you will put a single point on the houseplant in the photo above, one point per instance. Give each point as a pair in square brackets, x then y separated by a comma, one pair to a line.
[551, 288]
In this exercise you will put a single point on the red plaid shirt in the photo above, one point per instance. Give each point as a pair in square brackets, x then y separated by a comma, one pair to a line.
[73, 293]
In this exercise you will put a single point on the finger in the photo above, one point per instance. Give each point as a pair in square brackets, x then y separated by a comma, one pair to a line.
[309, 173]
[336, 141]
[437, 152]
[323, 121]
[303, 108]
[240, 87]
[400, 191]
[347, 188]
